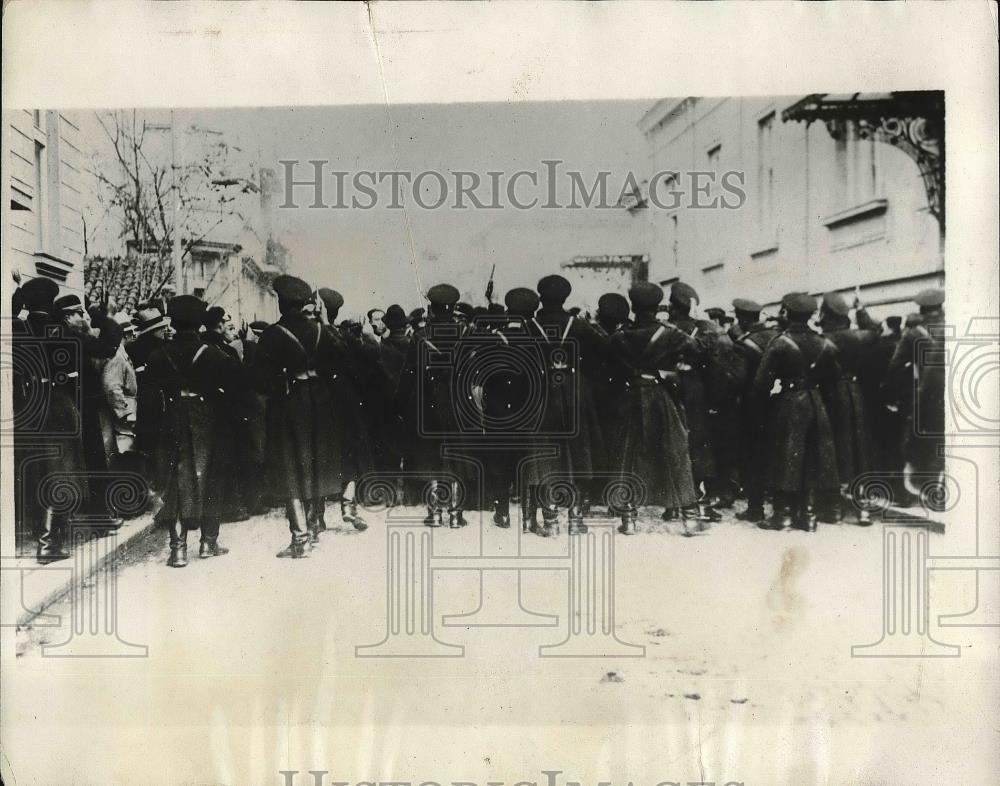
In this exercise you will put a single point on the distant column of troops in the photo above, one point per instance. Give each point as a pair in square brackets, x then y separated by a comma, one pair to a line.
[296, 412]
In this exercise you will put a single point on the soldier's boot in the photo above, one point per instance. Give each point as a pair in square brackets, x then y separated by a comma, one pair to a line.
[178, 546]
[312, 526]
[669, 514]
[804, 517]
[456, 519]
[550, 522]
[298, 526]
[501, 512]
[864, 517]
[627, 527]
[356, 519]
[319, 514]
[209, 547]
[435, 516]
[50, 539]
[692, 521]
[529, 511]
[754, 513]
[576, 525]
[706, 512]
[781, 517]
[345, 511]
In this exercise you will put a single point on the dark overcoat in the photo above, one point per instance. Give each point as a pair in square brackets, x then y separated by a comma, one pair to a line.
[751, 344]
[653, 441]
[427, 401]
[571, 349]
[295, 361]
[798, 437]
[695, 370]
[845, 402]
[47, 432]
[148, 405]
[193, 469]
[233, 440]
[922, 347]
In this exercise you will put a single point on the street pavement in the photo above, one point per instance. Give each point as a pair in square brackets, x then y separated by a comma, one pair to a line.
[252, 665]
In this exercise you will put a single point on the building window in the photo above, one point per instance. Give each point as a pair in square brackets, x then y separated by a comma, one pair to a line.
[765, 175]
[673, 240]
[857, 170]
[41, 198]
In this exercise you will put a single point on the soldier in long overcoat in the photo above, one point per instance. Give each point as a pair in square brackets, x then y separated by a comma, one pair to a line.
[570, 442]
[426, 400]
[884, 405]
[295, 359]
[194, 381]
[751, 338]
[348, 386]
[512, 377]
[253, 412]
[219, 332]
[46, 365]
[609, 378]
[919, 352]
[653, 444]
[99, 341]
[844, 400]
[695, 372]
[797, 363]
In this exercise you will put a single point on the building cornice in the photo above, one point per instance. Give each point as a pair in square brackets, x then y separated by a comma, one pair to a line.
[663, 111]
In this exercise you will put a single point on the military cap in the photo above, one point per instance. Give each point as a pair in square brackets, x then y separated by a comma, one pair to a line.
[331, 298]
[645, 295]
[913, 320]
[215, 315]
[443, 295]
[929, 298]
[683, 294]
[555, 288]
[799, 303]
[38, 293]
[123, 319]
[186, 311]
[894, 322]
[465, 309]
[395, 317]
[614, 306]
[521, 301]
[258, 326]
[150, 319]
[494, 309]
[834, 303]
[747, 306]
[67, 303]
[715, 312]
[292, 289]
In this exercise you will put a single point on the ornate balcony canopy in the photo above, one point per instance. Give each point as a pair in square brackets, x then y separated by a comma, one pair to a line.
[913, 121]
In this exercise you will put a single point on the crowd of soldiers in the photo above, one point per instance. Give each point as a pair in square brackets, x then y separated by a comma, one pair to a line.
[526, 402]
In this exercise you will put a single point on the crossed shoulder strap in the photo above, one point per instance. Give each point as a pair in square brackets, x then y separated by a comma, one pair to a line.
[298, 343]
[565, 333]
